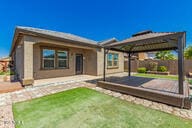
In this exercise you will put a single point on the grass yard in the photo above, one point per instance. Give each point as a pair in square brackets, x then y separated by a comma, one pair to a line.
[156, 76]
[86, 108]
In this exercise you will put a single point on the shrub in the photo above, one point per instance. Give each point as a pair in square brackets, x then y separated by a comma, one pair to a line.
[153, 66]
[2, 73]
[162, 69]
[10, 73]
[141, 70]
[7, 73]
[190, 81]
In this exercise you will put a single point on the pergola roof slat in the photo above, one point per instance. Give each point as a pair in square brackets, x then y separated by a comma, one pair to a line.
[148, 42]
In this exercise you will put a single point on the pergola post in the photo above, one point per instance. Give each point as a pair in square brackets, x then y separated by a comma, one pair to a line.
[181, 42]
[104, 66]
[129, 64]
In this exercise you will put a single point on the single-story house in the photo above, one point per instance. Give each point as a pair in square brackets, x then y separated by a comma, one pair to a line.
[4, 64]
[40, 54]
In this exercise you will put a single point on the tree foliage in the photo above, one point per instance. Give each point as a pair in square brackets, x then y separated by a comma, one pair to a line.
[188, 52]
[165, 55]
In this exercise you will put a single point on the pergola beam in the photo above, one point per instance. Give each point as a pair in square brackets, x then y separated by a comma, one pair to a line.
[150, 50]
[129, 59]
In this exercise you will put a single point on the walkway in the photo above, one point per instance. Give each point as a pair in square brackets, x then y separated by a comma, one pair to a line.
[7, 99]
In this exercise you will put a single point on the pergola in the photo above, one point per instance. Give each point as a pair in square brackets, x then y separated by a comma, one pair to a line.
[149, 41]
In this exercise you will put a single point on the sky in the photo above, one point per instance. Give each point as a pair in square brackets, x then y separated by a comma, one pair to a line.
[95, 19]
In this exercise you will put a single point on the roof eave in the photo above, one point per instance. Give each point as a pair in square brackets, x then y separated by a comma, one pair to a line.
[13, 41]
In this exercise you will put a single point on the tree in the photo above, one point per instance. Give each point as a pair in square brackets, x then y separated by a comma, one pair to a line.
[188, 52]
[165, 55]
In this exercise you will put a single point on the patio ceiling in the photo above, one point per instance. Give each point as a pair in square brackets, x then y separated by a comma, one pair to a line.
[148, 41]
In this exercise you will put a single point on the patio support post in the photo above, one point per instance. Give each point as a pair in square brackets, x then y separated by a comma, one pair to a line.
[129, 64]
[27, 61]
[104, 66]
[181, 42]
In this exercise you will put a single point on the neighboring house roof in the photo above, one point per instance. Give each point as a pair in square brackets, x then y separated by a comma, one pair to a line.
[108, 41]
[5, 59]
[133, 56]
[52, 35]
[151, 55]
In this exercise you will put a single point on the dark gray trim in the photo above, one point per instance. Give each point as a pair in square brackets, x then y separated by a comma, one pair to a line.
[129, 57]
[81, 65]
[151, 50]
[181, 41]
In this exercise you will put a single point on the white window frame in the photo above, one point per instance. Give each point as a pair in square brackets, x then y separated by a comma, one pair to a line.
[67, 59]
[113, 60]
[43, 59]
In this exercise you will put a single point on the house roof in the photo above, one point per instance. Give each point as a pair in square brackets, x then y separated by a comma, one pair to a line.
[5, 59]
[61, 36]
[148, 41]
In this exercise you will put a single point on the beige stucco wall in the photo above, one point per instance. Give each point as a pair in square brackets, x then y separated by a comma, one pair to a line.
[100, 62]
[89, 62]
[28, 59]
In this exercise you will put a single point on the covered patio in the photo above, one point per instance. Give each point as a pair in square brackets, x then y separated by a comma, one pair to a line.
[170, 92]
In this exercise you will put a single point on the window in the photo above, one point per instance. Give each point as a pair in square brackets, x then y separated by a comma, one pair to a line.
[53, 59]
[62, 59]
[115, 59]
[112, 60]
[48, 58]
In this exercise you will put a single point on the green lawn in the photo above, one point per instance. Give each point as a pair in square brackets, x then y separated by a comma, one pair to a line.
[171, 77]
[86, 108]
